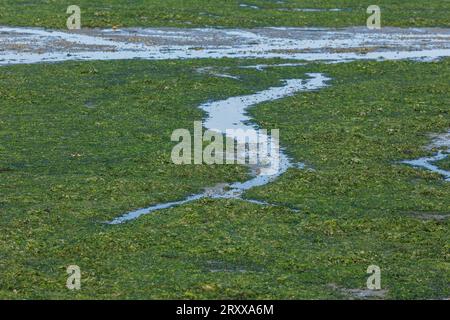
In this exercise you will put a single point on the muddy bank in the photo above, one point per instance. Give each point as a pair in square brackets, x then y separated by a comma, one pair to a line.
[32, 45]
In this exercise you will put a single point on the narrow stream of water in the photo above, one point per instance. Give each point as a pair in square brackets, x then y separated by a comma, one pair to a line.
[231, 113]
[427, 163]
[442, 143]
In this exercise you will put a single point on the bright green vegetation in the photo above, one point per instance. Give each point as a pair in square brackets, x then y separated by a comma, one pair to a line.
[444, 164]
[229, 13]
[82, 143]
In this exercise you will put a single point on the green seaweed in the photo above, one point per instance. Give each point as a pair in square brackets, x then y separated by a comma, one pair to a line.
[82, 143]
[226, 13]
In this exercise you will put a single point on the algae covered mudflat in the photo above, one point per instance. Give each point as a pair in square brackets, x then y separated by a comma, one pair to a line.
[98, 145]
[85, 137]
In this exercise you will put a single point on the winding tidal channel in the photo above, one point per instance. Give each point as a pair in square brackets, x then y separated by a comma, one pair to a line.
[301, 45]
